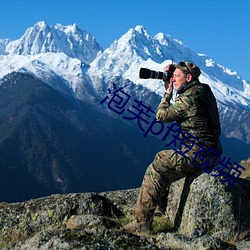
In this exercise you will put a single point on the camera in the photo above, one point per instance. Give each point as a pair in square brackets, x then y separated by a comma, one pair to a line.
[145, 73]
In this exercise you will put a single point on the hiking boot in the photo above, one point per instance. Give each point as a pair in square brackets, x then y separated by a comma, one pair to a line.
[140, 227]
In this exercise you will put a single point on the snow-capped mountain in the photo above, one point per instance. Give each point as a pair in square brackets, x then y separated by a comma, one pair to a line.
[50, 137]
[137, 49]
[3, 43]
[64, 73]
[41, 38]
[71, 61]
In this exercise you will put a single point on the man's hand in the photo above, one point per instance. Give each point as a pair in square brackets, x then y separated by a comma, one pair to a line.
[168, 85]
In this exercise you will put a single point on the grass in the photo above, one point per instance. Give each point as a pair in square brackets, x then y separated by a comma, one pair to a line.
[160, 223]
[238, 237]
[123, 220]
[15, 236]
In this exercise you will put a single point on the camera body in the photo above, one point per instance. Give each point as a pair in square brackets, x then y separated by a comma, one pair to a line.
[146, 73]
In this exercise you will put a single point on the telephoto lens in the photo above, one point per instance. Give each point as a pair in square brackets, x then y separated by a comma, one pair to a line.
[145, 73]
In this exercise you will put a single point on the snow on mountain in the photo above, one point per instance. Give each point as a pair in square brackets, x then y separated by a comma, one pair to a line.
[42, 38]
[3, 43]
[65, 52]
[125, 55]
[137, 49]
[63, 73]
[71, 61]
[57, 55]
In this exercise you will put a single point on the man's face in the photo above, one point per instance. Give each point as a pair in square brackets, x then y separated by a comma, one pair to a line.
[179, 78]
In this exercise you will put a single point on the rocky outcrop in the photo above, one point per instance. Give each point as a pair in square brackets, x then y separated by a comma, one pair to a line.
[204, 205]
[203, 213]
[72, 221]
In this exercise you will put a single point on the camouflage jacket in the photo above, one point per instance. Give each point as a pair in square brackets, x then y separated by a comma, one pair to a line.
[195, 110]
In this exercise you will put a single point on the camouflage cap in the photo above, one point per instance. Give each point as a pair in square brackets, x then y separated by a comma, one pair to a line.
[189, 68]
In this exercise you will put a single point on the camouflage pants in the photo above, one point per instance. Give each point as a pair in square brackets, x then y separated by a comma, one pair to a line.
[167, 167]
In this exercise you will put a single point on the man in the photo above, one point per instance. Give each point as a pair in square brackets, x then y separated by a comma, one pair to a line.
[195, 111]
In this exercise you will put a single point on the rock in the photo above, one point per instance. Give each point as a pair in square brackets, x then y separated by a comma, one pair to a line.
[178, 241]
[90, 221]
[124, 199]
[20, 220]
[85, 239]
[203, 205]
[243, 245]
[206, 214]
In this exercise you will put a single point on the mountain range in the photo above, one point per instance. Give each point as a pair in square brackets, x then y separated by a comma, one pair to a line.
[58, 129]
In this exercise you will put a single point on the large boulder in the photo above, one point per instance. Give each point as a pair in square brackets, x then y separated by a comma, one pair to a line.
[202, 204]
[206, 213]
[19, 221]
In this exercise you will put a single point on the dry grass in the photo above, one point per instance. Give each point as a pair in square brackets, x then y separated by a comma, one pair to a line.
[160, 223]
[238, 237]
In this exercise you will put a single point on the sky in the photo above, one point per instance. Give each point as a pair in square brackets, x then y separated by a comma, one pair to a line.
[217, 28]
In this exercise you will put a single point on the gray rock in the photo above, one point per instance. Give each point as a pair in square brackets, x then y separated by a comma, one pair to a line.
[20, 220]
[203, 205]
[95, 239]
[178, 241]
[243, 245]
[124, 199]
[90, 221]
[208, 214]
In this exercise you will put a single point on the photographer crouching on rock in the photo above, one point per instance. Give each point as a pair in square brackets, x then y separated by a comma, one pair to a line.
[195, 111]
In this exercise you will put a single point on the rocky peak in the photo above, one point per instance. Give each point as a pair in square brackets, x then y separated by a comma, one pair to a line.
[42, 38]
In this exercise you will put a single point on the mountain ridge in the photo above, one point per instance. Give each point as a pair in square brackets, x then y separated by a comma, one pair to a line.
[55, 144]
[42, 38]
[134, 49]
[51, 137]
